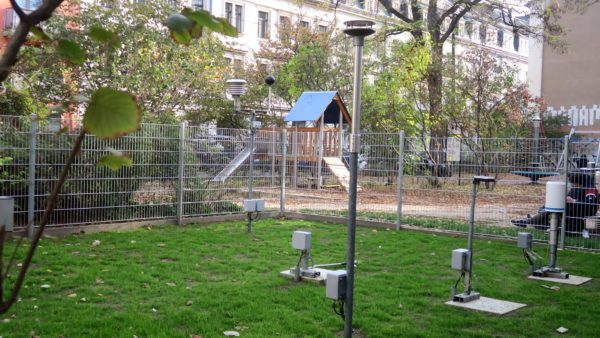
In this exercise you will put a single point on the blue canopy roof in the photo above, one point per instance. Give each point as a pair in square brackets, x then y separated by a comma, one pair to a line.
[311, 105]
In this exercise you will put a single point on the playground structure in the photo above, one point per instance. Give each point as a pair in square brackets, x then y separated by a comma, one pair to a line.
[316, 138]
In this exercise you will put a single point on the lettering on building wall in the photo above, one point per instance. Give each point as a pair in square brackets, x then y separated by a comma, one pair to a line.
[578, 116]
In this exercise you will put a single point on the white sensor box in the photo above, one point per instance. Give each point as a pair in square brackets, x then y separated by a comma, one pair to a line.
[335, 287]
[460, 259]
[301, 240]
[7, 212]
[254, 205]
[524, 240]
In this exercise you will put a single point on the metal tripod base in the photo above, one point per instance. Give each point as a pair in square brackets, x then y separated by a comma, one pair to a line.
[466, 297]
[551, 272]
[310, 273]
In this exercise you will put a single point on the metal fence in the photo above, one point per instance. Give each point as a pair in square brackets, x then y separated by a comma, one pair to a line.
[183, 171]
[172, 176]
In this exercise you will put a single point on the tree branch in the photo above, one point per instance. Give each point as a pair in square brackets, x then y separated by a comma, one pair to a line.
[457, 17]
[18, 10]
[397, 31]
[450, 11]
[387, 4]
[42, 13]
[5, 305]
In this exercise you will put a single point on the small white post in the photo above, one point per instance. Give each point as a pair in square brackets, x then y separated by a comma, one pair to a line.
[181, 172]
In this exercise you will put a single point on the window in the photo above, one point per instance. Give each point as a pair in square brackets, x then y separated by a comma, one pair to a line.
[285, 27]
[305, 24]
[229, 12]
[239, 16]
[469, 29]
[201, 5]
[516, 41]
[500, 39]
[262, 68]
[482, 34]
[360, 4]
[322, 29]
[404, 8]
[239, 13]
[263, 25]
[29, 4]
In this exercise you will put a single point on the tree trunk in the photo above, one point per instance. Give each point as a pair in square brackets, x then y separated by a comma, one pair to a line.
[439, 127]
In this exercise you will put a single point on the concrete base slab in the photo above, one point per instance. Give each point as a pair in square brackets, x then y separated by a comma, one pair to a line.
[320, 279]
[572, 280]
[489, 305]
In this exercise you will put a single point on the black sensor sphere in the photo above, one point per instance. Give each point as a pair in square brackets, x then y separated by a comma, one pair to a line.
[269, 80]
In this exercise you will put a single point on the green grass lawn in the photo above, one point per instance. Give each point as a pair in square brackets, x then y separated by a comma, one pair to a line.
[459, 226]
[202, 280]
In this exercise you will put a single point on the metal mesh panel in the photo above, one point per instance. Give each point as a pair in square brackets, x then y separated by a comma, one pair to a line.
[185, 171]
[14, 163]
[438, 184]
[94, 194]
[217, 161]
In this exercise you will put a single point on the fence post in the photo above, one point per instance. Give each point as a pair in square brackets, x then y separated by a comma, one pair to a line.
[295, 151]
[563, 221]
[181, 172]
[31, 192]
[320, 148]
[400, 180]
[273, 149]
[283, 167]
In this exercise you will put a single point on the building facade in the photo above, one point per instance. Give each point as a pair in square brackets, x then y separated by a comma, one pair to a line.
[258, 21]
[569, 81]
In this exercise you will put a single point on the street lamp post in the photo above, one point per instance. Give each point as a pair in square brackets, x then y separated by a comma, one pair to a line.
[357, 29]
[537, 121]
[269, 80]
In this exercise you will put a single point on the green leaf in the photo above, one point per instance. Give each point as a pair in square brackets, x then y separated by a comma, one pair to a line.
[39, 34]
[102, 35]
[71, 51]
[203, 18]
[196, 31]
[227, 29]
[180, 27]
[115, 160]
[111, 113]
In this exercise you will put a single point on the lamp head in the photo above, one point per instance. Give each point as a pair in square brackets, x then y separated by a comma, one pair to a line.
[359, 28]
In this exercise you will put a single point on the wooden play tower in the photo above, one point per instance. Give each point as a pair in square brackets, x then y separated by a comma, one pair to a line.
[315, 138]
[316, 135]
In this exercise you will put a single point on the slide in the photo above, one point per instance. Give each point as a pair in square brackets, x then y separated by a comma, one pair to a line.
[233, 165]
[339, 170]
